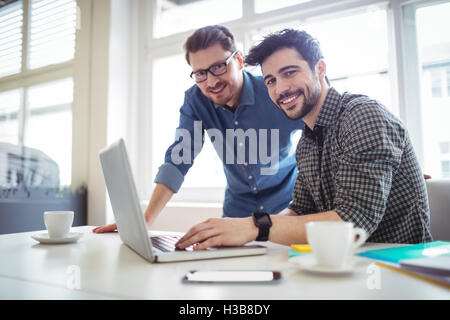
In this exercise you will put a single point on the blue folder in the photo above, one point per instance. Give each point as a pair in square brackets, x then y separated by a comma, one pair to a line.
[422, 250]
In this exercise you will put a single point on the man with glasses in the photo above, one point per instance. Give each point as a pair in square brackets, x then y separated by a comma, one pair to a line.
[226, 101]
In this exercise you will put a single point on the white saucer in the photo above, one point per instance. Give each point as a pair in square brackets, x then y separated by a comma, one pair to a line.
[45, 238]
[308, 263]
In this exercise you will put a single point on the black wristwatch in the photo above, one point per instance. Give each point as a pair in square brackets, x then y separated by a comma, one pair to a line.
[263, 223]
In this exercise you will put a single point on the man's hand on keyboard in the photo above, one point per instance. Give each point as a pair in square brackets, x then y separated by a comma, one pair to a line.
[107, 228]
[219, 232]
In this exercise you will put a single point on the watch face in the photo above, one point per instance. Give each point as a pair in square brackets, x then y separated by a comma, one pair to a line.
[262, 219]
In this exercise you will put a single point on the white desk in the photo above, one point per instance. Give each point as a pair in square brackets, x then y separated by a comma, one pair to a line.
[110, 270]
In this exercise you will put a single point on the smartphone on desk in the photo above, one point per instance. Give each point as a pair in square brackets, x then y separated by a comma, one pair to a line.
[232, 276]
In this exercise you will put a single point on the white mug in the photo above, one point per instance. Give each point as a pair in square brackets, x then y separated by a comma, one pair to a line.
[58, 223]
[333, 242]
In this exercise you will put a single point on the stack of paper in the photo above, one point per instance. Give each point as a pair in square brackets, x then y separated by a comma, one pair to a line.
[428, 261]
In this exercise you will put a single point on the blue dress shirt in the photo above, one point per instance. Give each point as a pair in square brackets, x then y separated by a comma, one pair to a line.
[251, 185]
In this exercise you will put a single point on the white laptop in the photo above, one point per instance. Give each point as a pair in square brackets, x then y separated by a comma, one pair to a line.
[130, 218]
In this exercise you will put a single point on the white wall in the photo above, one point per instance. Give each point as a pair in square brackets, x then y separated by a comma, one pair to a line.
[82, 94]
[90, 106]
[98, 109]
[122, 84]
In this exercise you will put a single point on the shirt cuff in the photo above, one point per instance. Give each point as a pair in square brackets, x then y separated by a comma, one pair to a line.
[169, 175]
[353, 214]
[294, 208]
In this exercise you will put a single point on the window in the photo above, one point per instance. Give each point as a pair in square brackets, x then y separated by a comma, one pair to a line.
[167, 102]
[52, 36]
[170, 80]
[9, 116]
[362, 66]
[445, 165]
[361, 56]
[445, 147]
[445, 158]
[269, 5]
[37, 47]
[448, 81]
[165, 114]
[436, 85]
[182, 15]
[11, 38]
[434, 63]
[49, 123]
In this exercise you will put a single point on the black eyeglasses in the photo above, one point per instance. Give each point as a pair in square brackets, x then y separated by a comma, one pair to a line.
[216, 70]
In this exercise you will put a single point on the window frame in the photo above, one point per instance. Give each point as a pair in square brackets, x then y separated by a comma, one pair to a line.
[30, 77]
[408, 71]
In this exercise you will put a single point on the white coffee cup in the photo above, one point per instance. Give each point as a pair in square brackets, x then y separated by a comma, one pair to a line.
[333, 242]
[58, 223]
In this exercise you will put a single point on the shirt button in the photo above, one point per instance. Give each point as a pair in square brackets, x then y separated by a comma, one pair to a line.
[241, 144]
[236, 122]
[254, 188]
[250, 177]
[245, 164]
[261, 208]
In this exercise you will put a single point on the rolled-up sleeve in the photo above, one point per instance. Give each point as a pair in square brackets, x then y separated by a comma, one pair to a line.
[169, 175]
[371, 150]
[302, 201]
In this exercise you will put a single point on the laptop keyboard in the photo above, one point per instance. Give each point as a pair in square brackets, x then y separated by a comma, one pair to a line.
[166, 243]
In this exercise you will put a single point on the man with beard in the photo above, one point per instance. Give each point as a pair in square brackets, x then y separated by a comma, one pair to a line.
[227, 99]
[355, 159]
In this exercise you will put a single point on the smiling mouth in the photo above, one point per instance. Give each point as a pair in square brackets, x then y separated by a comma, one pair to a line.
[218, 90]
[289, 102]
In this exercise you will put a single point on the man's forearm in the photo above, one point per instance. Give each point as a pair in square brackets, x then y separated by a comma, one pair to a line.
[160, 196]
[287, 229]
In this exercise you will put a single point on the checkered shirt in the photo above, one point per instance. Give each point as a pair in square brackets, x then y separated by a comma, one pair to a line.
[368, 172]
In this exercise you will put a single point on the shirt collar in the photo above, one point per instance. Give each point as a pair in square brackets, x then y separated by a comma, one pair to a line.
[247, 94]
[327, 114]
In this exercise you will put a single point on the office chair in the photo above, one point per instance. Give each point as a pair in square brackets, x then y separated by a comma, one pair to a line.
[439, 199]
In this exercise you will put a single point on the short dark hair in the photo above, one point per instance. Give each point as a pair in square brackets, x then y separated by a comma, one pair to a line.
[306, 45]
[208, 36]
